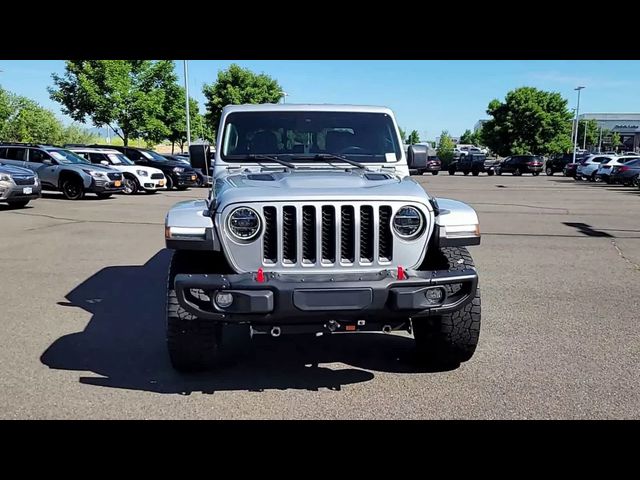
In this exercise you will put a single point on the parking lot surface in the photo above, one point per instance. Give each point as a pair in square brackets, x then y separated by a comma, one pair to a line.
[82, 319]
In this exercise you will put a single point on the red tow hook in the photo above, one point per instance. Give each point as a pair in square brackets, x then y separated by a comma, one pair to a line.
[402, 275]
[260, 276]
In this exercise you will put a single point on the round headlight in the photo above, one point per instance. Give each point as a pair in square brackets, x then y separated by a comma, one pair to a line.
[408, 222]
[244, 223]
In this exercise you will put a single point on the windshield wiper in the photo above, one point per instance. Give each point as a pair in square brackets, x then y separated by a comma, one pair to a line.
[327, 156]
[271, 159]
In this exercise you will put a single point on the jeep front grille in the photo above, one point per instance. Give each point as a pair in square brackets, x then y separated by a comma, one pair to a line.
[309, 233]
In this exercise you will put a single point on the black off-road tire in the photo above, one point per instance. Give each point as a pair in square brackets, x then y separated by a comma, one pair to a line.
[194, 343]
[475, 173]
[490, 173]
[452, 171]
[452, 338]
[435, 172]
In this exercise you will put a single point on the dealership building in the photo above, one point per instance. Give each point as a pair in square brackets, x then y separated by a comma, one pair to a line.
[627, 125]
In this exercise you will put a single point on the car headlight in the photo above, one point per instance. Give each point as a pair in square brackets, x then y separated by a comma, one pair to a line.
[178, 169]
[408, 222]
[142, 173]
[94, 174]
[244, 223]
[5, 178]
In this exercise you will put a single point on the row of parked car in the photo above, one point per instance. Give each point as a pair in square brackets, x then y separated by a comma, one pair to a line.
[607, 167]
[76, 170]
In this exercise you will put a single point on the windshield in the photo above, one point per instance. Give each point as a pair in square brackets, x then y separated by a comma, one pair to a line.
[363, 137]
[119, 159]
[151, 155]
[66, 157]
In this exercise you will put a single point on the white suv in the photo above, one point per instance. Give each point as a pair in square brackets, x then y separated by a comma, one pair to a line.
[589, 166]
[603, 173]
[136, 177]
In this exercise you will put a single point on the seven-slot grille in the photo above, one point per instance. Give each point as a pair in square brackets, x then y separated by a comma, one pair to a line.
[326, 235]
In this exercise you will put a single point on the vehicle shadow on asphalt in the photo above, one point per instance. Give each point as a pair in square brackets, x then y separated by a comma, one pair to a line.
[124, 343]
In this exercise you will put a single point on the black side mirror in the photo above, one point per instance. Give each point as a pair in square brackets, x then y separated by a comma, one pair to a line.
[417, 156]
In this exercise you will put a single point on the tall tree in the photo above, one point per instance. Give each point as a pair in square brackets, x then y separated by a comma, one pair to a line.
[593, 133]
[414, 137]
[174, 116]
[528, 121]
[127, 95]
[238, 85]
[23, 120]
[445, 148]
[467, 137]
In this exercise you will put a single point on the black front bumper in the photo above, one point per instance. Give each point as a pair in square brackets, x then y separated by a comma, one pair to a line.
[102, 186]
[315, 298]
[185, 179]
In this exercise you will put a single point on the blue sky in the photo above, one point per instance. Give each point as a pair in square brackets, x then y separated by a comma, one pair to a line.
[426, 95]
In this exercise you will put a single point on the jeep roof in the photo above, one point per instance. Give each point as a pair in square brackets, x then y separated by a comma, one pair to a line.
[293, 107]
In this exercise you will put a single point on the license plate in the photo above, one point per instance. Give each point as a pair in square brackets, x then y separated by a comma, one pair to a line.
[161, 183]
[27, 190]
[193, 177]
[117, 183]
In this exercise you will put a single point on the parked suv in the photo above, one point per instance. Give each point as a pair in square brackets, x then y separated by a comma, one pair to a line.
[603, 173]
[63, 171]
[627, 174]
[18, 186]
[136, 177]
[178, 175]
[588, 168]
[557, 162]
[472, 162]
[322, 236]
[519, 164]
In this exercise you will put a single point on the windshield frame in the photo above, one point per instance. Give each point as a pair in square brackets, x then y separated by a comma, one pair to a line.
[313, 157]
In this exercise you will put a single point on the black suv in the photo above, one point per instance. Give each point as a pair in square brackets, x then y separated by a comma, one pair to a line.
[519, 164]
[557, 163]
[471, 162]
[178, 174]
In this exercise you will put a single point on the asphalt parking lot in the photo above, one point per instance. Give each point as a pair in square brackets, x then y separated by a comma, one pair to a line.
[82, 319]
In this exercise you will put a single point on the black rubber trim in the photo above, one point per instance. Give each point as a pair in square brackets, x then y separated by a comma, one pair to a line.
[459, 242]
[385, 303]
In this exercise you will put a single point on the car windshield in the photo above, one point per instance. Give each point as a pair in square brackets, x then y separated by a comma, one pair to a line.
[66, 157]
[151, 155]
[119, 159]
[304, 135]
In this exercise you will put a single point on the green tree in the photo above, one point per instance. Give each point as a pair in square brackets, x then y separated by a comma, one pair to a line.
[467, 137]
[414, 137]
[593, 133]
[127, 95]
[445, 148]
[403, 134]
[23, 120]
[174, 116]
[238, 85]
[528, 121]
[76, 134]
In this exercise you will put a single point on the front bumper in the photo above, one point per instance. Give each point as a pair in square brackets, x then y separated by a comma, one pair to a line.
[147, 184]
[106, 186]
[185, 179]
[17, 192]
[315, 298]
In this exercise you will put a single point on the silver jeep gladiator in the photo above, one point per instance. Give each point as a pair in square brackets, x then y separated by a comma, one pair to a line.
[314, 226]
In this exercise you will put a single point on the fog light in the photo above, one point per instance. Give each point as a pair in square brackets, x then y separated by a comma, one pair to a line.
[223, 299]
[434, 295]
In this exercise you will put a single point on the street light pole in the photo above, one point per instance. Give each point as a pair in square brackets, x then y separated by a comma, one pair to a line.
[284, 97]
[186, 88]
[575, 140]
[600, 141]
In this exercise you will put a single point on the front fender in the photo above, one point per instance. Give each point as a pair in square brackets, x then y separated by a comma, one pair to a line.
[189, 226]
[457, 224]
